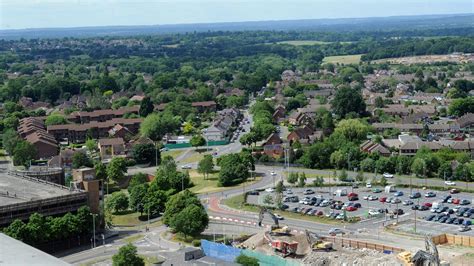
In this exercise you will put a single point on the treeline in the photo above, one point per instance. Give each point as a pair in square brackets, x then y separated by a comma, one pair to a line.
[40, 229]
[416, 46]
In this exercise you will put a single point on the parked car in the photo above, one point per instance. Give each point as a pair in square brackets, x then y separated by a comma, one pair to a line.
[407, 202]
[427, 204]
[430, 194]
[446, 198]
[270, 189]
[415, 195]
[372, 198]
[284, 207]
[308, 192]
[382, 199]
[464, 202]
[423, 208]
[278, 216]
[430, 217]
[186, 166]
[443, 219]
[353, 198]
[398, 194]
[387, 175]
[450, 220]
[308, 210]
[455, 201]
[357, 205]
[335, 231]
[253, 192]
[368, 185]
[319, 213]
[376, 190]
[373, 212]
[450, 183]
[458, 221]
[464, 228]
[395, 201]
[454, 191]
[415, 207]
[340, 216]
[398, 212]
[273, 173]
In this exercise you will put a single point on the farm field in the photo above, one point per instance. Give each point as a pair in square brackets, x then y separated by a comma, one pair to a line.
[343, 59]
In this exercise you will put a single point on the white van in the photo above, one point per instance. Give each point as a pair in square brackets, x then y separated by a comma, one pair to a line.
[340, 192]
[389, 189]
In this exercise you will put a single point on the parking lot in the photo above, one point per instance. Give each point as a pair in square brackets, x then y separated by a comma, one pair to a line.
[369, 202]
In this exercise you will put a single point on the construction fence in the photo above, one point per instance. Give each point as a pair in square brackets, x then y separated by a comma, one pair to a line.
[343, 242]
[467, 241]
[229, 254]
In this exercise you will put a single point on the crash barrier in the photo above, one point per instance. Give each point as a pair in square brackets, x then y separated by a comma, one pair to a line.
[344, 242]
[228, 253]
[188, 145]
[467, 241]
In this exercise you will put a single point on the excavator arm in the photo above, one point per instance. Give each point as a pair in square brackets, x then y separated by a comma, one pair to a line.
[261, 215]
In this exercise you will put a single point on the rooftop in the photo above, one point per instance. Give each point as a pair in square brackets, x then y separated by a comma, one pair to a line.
[27, 189]
[14, 252]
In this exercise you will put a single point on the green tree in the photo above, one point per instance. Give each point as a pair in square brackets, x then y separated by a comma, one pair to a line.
[100, 170]
[127, 256]
[17, 229]
[352, 129]
[348, 100]
[10, 140]
[268, 199]
[462, 106]
[206, 165]
[383, 181]
[55, 119]
[302, 180]
[343, 175]
[80, 159]
[23, 153]
[197, 141]
[117, 202]
[318, 181]
[138, 197]
[279, 187]
[91, 145]
[292, 178]
[137, 179]
[379, 102]
[146, 153]
[418, 167]
[146, 107]
[155, 126]
[233, 170]
[168, 177]
[176, 204]
[246, 260]
[155, 199]
[192, 220]
[116, 169]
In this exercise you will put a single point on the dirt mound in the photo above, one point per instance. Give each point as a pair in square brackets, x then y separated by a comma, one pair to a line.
[259, 243]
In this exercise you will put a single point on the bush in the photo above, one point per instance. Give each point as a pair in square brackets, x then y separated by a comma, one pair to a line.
[196, 243]
[246, 260]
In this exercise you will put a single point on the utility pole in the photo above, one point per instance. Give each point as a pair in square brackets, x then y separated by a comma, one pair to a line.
[156, 154]
[93, 229]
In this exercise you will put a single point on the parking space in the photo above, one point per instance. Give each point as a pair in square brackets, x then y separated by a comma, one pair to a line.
[379, 202]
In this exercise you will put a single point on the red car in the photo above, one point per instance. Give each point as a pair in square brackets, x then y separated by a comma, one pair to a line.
[427, 204]
[319, 213]
[455, 201]
[352, 194]
[351, 209]
[382, 199]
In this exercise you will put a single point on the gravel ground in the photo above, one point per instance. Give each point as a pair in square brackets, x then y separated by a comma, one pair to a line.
[349, 257]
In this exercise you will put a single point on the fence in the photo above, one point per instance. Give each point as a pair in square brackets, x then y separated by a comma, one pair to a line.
[467, 241]
[361, 244]
[228, 253]
[187, 145]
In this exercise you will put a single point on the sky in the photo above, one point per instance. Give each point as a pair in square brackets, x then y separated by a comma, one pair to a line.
[19, 14]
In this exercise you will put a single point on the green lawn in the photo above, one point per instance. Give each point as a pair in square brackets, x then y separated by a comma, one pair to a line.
[343, 59]
[194, 157]
[210, 184]
[172, 153]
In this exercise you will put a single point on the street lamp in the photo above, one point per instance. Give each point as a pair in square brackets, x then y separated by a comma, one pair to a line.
[93, 229]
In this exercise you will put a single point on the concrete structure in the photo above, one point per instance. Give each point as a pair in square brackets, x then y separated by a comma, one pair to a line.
[15, 252]
[22, 196]
[85, 179]
[49, 174]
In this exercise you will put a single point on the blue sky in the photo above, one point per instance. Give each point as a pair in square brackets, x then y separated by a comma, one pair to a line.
[16, 14]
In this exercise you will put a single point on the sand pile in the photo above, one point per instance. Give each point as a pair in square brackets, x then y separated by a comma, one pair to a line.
[352, 257]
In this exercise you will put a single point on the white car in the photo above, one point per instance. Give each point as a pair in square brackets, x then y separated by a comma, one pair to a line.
[273, 174]
[371, 198]
[278, 216]
[373, 212]
[450, 183]
[270, 189]
[368, 185]
[366, 197]
[187, 166]
[387, 175]
[340, 216]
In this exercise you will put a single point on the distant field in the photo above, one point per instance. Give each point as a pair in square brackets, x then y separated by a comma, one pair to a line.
[427, 59]
[343, 59]
[171, 45]
[299, 43]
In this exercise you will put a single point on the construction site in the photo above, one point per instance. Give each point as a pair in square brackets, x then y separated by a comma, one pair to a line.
[309, 248]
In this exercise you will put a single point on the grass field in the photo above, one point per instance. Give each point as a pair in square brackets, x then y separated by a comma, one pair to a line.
[210, 184]
[343, 59]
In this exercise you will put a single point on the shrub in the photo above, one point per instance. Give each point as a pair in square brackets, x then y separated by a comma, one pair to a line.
[196, 243]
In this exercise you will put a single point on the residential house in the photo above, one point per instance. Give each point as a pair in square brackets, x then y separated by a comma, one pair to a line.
[370, 146]
[64, 159]
[220, 129]
[119, 131]
[411, 148]
[111, 147]
[298, 118]
[301, 134]
[401, 110]
[466, 123]
[279, 114]
[101, 115]
[273, 146]
[208, 106]
[33, 131]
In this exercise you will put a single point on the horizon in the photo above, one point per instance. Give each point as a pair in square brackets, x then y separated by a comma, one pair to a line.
[46, 14]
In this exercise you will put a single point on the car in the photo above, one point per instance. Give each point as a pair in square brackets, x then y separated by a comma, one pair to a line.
[273, 173]
[407, 202]
[446, 198]
[450, 220]
[415, 195]
[372, 198]
[455, 201]
[454, 191]
[443, 209]
[395, 201]
[347, 204]
[357, 205]
[458, 221]
[427, 204]
[329, 214]
[415, 207]
[439, 216]
[335, 231]
[338, 207]
[355, 185]
[374, 212]
[398, 212]
[308, 192]
[433, 210]
[443, 219]
[186, 166]
[353, 198]
[164, 149]
[449, 183]
[334, 215]
[468, 213]
[366, 197]
[253, 192]
[278, 216]
[284, 207]
[352, 194]
[289, 192]
[464, 202]
[383, 199]
[295, 209]
[430, 194]
[307, 210]
[340, 216]
[430, 217]
[324, 203]
[387, 175]
[303, 210]
[376, 190]
[461, 211]
[319, 213]
[423, 208]
[270, 189]
[467, 222]
[464, 228]
[398, 194]
[368, 185]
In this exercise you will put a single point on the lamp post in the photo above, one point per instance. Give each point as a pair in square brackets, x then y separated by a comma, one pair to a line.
[93, 229]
